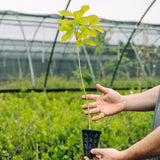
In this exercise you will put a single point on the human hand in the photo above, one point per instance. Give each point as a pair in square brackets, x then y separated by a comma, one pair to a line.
[86, 158]
[106, 154]
[110, 103]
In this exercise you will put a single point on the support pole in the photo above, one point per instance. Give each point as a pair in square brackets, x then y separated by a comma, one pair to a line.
[28, 54]
[122, 54]
[52, 51]
[139, 60]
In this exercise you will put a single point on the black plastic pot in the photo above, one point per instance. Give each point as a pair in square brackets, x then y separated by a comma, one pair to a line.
[90, 140]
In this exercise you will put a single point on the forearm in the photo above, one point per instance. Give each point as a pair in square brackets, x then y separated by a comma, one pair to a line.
[146, 148]
[144, 101]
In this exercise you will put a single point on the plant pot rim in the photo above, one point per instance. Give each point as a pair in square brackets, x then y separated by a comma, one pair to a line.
[90, 130]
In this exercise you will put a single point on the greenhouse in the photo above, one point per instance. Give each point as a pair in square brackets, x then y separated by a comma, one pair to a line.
[27, 41]
[72, 81]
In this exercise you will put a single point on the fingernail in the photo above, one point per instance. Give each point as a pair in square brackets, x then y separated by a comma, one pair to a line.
[86, 112]
[92, 151]
[93, 119]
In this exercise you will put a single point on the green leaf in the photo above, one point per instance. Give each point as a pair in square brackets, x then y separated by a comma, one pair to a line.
[91, 32]
[89, 42]
[67, 36]
[98, 28]
[66, 13]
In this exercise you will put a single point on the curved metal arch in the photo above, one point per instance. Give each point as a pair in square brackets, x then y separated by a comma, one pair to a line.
[128, 42]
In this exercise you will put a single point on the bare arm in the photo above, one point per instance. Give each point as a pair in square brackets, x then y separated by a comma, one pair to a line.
[146, 148]
[144, 101]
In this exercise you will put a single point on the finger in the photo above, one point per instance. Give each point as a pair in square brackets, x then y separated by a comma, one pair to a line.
[90, 97]
[96, 151]
[93, 111]
[98, 156]
[95, 118]
[86, 158]
[91, 105]
[102, 89]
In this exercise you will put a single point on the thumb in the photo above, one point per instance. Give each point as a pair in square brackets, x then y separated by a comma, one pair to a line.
[96, 151]
[102, 89]
[95, 118]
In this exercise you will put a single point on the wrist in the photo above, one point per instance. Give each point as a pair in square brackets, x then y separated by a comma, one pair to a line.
[124, 102]
[125, 155]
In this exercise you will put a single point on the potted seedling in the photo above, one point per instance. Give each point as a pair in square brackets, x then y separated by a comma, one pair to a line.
[82, 27]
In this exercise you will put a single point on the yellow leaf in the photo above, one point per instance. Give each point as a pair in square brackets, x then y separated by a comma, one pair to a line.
[66, 36]
[76, 34]
[65, 25]
[79, 43]
[142, 24]
[63, 28]
[91, 43]
[94, 19]
[66, 13]
[64, 21]
[85, 8]
[84, 20]
[82, 35]
[78, 14]
[83, 28]
[98, 28]
[91, 32]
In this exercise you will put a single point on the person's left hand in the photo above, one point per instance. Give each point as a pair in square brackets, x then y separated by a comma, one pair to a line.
[110, 103]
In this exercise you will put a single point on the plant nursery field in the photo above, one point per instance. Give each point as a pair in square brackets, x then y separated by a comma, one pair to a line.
[47, 126]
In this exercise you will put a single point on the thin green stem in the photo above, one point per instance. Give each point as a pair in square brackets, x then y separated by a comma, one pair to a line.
[84, 89]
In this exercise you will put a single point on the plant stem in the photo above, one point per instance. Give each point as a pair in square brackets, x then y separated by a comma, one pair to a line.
[84, 89]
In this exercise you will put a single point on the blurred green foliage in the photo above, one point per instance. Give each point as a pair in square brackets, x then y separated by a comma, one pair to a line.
[63, 82]
[86, 75]
[48, 126]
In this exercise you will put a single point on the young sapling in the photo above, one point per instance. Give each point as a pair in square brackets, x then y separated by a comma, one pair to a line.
[82, 27]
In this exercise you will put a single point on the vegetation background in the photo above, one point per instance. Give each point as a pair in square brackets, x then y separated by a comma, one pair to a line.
[47, 126]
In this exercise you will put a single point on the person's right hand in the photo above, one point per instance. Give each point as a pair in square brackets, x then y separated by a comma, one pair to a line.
[107, 154]
[110, 103]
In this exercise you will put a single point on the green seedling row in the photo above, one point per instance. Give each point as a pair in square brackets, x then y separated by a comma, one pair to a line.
[47, 126]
